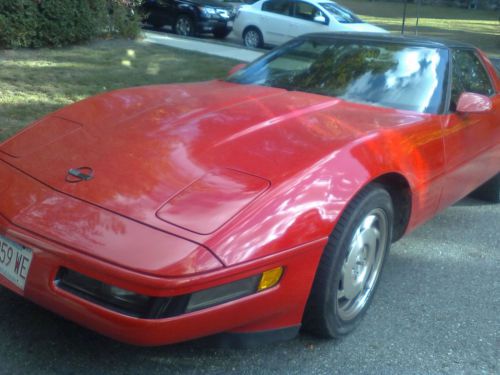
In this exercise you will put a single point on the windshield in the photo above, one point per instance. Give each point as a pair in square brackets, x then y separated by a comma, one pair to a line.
[341, 14]
[377, 73]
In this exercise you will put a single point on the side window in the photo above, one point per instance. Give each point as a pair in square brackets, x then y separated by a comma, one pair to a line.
[278, 6]
[468, 75]
[305, 11]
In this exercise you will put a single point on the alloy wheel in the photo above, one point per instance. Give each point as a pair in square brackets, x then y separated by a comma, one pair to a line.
[362, 264]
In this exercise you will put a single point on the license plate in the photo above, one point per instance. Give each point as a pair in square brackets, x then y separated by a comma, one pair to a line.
[230, 24]
[15, 261]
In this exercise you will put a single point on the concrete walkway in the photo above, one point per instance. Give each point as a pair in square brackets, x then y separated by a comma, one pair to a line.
[203, 46]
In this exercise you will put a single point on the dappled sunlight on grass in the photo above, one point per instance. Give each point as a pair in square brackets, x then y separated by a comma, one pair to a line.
[395, 9]
[153, 68]
[485, 27]
[478, 27]
[36, 82]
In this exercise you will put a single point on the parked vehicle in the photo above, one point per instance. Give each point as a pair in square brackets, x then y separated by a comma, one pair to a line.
[251, 205]
[237, 4]
[190, 17]
[277, 21]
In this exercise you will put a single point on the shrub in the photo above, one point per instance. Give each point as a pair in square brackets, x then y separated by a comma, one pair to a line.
[37, 23]
[123, 20]
[18, 21]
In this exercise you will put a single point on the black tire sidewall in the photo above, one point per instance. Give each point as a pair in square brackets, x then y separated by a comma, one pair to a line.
[329, 270]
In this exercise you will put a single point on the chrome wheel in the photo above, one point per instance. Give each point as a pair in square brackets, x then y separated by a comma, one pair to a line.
[252, 38]
[184, 26]
[362, 264]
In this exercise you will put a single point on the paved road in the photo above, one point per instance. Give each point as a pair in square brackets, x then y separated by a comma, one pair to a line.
[436, 311]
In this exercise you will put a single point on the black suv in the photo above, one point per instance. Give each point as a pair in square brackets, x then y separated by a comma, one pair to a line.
[190, 17]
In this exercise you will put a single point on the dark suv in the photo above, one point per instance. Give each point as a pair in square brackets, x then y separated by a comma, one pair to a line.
[190, 17]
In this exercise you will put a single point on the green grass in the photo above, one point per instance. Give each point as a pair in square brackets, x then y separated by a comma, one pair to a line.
[478, 27]
[36, 82]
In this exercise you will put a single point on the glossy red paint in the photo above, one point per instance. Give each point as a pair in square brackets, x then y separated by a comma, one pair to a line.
[201, 184]
[237, 68]
[206, 204]
[473, 103]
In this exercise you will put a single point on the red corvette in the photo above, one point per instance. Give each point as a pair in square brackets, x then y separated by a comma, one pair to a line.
[251, 206]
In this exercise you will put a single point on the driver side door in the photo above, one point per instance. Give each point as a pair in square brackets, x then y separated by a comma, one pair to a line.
[471, 140]
[275, 21]
[305, 18]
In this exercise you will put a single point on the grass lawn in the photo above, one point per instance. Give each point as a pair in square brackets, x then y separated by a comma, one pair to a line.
[478, 27]
[36, 82]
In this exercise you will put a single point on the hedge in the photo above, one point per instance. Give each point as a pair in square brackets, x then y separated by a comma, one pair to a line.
[38, 23]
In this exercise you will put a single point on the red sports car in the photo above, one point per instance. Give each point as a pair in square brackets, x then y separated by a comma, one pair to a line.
[251, 206]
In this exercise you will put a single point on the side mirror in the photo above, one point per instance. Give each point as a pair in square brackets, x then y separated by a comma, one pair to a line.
[470, 102]
[320, 19]
[236, 68]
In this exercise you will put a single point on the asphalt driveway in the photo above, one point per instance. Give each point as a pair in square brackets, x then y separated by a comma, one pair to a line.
[436, 311]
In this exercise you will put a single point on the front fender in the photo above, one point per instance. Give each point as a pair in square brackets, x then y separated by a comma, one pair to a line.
[307, 206]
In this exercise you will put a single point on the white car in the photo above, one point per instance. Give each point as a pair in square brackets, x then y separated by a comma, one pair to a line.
[277, 21]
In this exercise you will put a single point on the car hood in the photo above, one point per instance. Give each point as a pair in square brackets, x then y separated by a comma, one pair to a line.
[190, 155]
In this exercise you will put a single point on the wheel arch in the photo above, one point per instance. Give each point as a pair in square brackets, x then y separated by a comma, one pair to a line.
[252, 26]
[186, 12]
[400, 191]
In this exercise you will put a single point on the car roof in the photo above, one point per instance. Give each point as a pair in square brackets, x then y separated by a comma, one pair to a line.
[389, 38]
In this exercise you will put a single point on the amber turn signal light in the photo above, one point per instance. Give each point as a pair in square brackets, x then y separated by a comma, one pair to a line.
[270, 278]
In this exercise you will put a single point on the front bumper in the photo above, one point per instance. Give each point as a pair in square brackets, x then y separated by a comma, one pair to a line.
[277, 308]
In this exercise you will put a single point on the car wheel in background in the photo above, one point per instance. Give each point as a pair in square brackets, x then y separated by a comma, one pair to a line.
[351, 264]
[489, 191]
[184, 26]
[252, 38]
[221, 33]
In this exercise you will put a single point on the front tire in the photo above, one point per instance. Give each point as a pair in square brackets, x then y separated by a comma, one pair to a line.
[351, 264]
[184, 26]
